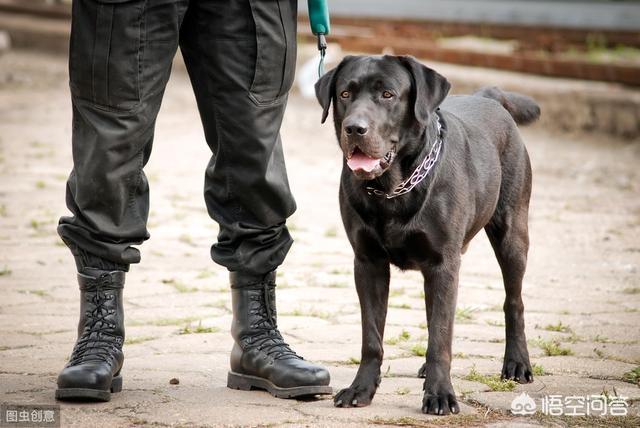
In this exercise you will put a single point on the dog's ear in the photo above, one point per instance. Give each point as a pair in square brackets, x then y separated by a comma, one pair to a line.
[326, 87]
[429, 87]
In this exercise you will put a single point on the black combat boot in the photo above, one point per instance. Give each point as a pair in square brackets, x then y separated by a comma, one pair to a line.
[260, 359]
[93, 371]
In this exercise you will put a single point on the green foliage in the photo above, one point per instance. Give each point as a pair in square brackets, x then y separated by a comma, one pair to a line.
[494, 382]
[464, 314]
[400, 305]
[632, 376]
[402, 391]
[538, 370]
[198, 329]
[331, 232]
[551, 348]
[562, 328]
[402, 337]
[419, 350]
[559, 327]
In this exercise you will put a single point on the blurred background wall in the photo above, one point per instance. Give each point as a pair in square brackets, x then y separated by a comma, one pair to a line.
[575, 41]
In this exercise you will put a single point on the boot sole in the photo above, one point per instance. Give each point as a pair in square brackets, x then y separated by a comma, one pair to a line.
[88, 394]
[247, 383]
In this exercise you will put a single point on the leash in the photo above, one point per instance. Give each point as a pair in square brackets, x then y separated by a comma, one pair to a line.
[421, 172]
[322, 47]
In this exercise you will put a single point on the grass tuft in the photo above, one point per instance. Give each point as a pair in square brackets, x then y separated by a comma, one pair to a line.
[35, 224]
[186, 239]
[204, 274]
[354, 361]
[464, 314]
[40, 293]
[400, 305]
[180, 286]
[538, 370]
[494, 382]
[197, 329]
[419, 350]
[402, 391]
[402, 337]
[551, 348]
[337, 285]
[331, 232]
[307, 313]
[396, 292]
[632, 376]
[562, 328]
[138, 339]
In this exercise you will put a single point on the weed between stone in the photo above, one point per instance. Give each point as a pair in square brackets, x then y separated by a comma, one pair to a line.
[551, 348]
[492, 381]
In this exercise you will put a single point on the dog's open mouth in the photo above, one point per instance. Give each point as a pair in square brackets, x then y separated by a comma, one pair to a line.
[358, 160]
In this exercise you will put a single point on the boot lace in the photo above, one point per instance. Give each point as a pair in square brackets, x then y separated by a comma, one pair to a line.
[97, 342]
[268, 339]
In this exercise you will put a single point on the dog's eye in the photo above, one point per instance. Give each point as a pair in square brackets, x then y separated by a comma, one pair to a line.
[387, 94]
[344, 94]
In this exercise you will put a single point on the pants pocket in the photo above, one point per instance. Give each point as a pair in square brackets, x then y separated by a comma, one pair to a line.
[106, 52]
[275, 31]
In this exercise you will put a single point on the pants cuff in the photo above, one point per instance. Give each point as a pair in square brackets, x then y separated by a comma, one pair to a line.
[85, 259]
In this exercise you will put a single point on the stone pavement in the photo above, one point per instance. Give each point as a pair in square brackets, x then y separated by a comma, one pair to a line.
[582, 289]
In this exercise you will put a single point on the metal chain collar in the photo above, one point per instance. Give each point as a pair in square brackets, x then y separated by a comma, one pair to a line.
[419, 174]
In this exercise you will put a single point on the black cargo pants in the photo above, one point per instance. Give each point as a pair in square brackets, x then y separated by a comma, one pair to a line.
[240, 56]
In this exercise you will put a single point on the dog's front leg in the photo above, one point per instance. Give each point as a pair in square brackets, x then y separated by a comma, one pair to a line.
[441, 288]
[372, 284]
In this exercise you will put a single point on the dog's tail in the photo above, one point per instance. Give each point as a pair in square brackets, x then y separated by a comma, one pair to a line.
[522, 108]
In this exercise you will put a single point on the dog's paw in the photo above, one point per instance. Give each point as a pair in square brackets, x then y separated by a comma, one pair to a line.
[517, 369]
[422, 373]
[354, 396]
[442, 403]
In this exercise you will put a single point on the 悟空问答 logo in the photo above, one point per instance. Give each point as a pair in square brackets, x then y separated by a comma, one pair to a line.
[523, 405]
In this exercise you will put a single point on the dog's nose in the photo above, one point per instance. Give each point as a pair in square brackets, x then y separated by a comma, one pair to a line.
[357, 127]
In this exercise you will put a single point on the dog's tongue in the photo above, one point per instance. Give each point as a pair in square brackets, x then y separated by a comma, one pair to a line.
[361, 161]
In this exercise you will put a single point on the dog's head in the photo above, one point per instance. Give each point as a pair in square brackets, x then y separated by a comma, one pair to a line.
[376, 102]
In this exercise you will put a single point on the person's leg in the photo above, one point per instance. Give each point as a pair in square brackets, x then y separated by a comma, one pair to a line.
[120, 60]
[241, 59]
[241, 73]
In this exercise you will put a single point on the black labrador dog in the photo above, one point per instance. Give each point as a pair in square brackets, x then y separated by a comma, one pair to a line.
[422, 175]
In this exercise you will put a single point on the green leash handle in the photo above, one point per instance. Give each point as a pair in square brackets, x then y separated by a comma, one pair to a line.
[320, 26]
[319, 17]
